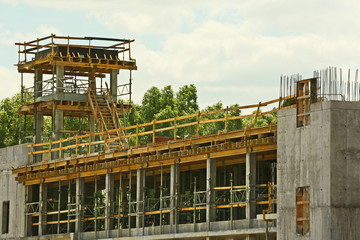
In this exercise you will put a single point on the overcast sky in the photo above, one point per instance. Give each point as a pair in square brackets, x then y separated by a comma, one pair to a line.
[233, 51]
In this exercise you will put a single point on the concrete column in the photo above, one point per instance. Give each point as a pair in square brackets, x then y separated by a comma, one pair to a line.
[28, 218]
[109, 191]
[39, 123]
[174, 183]
[42, 208]
[79, 202]
[140, 177]
[250, 237]
[60, 79]
[91, 125]
[38, 79]
[38, 116]
[91, 118]
[250, 185]
[210, 184]
[92, 80]
[58, 116]
[38, 130]
[113, 83]
[58, 124]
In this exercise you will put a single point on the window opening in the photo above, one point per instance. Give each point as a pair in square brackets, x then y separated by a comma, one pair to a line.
[302, 210]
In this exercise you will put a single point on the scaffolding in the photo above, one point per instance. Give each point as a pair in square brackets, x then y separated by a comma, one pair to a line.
[109, 179]
[80, 70]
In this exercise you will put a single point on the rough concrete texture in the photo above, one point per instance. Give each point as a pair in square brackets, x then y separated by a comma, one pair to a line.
[11, 190]
[325, 157]
[14, 156]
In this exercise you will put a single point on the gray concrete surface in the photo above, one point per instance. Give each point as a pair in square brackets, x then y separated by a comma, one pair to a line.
[325, 157]
[11, 190]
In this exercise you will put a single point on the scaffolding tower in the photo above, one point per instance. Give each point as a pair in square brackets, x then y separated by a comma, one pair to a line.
[71, 80]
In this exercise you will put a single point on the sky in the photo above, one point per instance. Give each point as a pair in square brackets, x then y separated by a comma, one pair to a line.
[234, 51]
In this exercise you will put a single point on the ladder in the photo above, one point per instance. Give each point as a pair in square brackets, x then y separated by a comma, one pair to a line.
[106, 117]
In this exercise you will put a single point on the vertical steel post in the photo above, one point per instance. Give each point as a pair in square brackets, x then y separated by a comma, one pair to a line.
[119, 203]
[231, 201]
[68, 206]
[95, 206]
[129, 199]
[194, 203]
[161, 195]
[59, 207]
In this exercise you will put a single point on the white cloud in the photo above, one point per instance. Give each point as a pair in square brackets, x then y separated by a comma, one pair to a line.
[9, 37]
[233, 51]
[9, 82]
[46, 30]
[237, 59]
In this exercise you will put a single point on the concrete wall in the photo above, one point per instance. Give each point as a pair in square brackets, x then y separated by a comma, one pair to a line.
[11, 190]
[325, 157]
[14, 156]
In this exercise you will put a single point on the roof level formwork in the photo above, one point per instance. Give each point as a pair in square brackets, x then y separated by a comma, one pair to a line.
[65, 67]
[74, 77]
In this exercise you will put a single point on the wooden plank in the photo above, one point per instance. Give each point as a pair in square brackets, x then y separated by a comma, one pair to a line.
[172, 144]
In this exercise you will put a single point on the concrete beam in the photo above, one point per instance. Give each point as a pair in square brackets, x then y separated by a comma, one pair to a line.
[109, 195]
[210, 193]
[250, 185]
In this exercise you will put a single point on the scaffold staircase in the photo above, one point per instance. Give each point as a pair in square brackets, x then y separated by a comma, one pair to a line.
[106, 117]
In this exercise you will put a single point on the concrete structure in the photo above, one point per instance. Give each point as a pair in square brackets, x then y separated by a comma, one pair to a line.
[246, 228]
[297, 179]
[12, 192]
[324, 157]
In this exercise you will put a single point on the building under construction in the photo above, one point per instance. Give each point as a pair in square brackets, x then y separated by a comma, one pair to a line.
[101, 178]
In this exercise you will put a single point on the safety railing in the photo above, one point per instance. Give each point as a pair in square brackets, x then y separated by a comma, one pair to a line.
[194, 121]
[68, 85]
[63, 46]
[32, 208]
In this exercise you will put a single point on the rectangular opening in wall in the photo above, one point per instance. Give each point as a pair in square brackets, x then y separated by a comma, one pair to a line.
[305, 95]
[5, 217]
[302, 210]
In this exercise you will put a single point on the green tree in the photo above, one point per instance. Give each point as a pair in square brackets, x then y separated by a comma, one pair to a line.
[156, 105]
[186, 100]
[151, 104]
[237, 123]
[10, 121]
[167, 99]
[261, 121]
[213, 127]
[186, 104]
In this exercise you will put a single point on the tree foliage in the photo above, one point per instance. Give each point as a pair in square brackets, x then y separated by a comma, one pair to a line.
[157, 104]
[10, 121]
